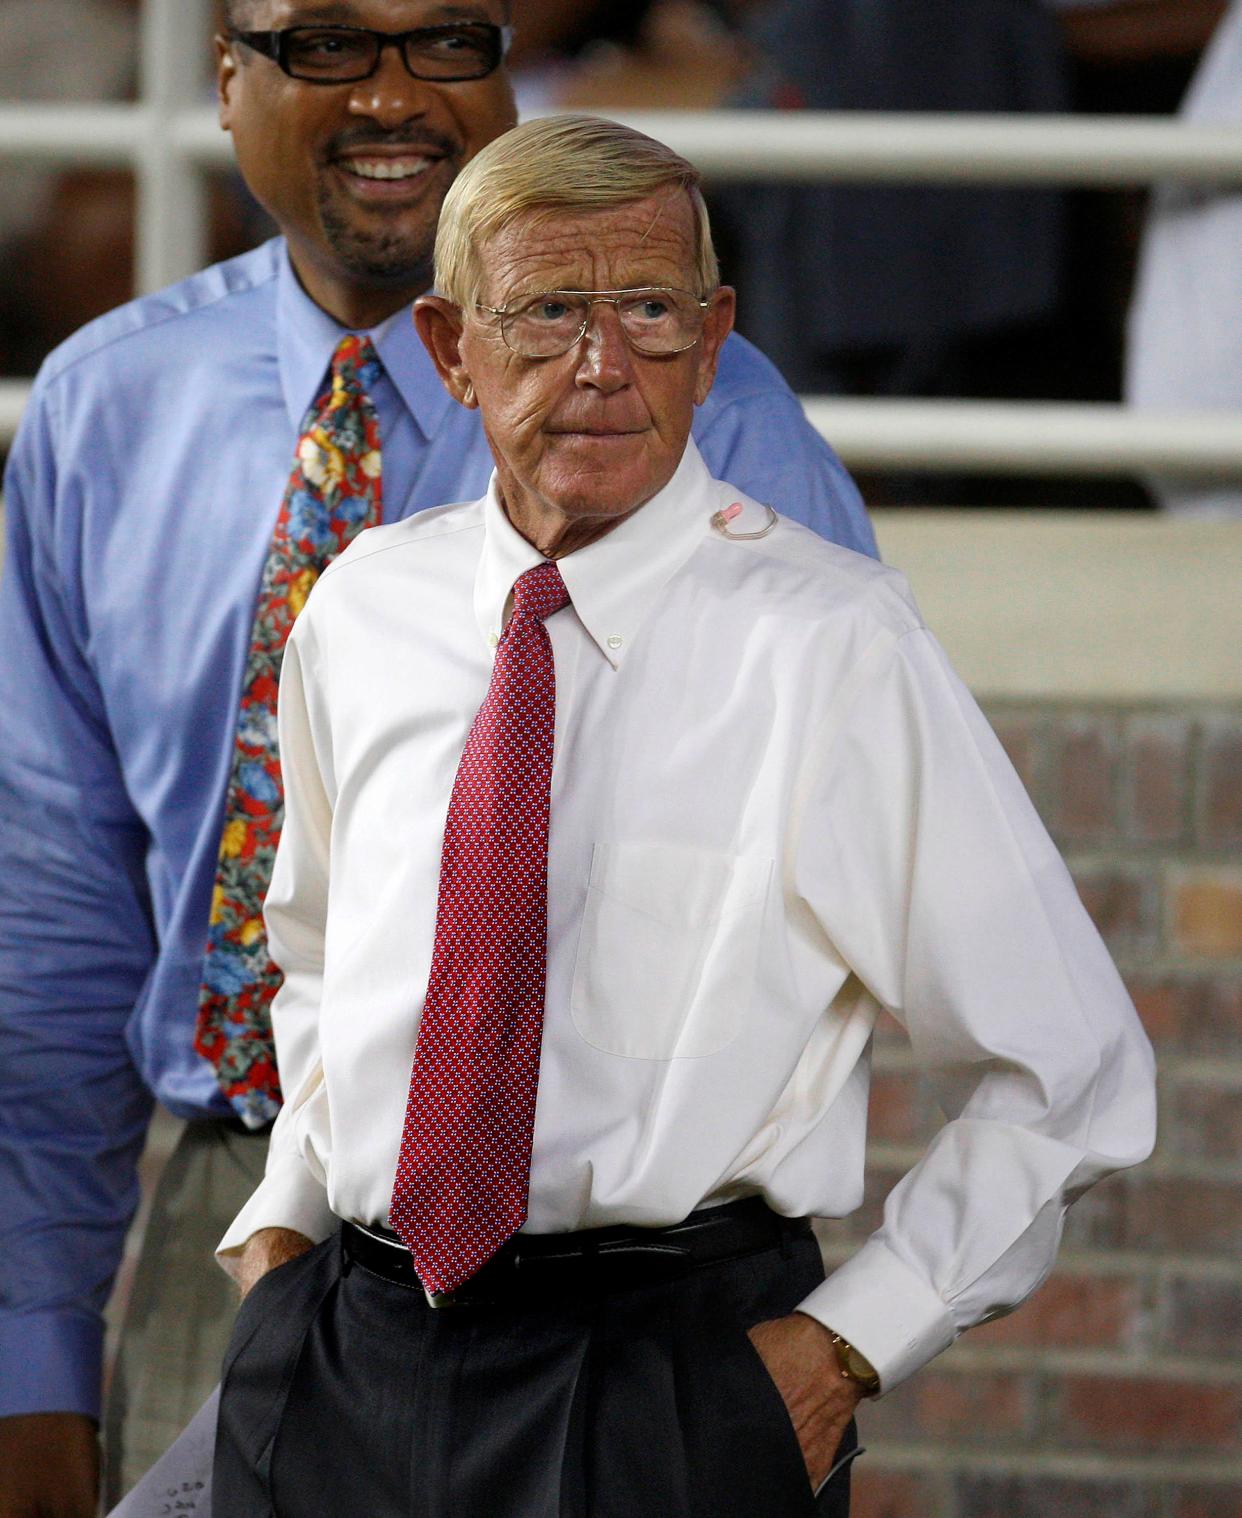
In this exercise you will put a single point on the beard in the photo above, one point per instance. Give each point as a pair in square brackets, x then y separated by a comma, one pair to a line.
[387, 251]
[385, 259]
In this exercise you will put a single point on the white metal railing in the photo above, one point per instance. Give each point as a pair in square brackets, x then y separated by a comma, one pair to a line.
[168, 144]
[13, 395]
[172, 199]
[1029, 437]
[808, 146]
[169, 140]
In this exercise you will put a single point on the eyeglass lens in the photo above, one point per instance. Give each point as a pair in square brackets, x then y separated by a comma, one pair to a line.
[654, 321]
[338, 54]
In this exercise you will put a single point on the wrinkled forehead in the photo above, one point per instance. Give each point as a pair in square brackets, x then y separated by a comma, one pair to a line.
[649, 241]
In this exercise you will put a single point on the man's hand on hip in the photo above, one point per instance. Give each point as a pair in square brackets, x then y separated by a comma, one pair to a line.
[799, 1356]
[264, 1251]
[49, 1466]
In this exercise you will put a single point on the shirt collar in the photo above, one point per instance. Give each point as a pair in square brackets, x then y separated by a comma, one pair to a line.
[613, 582]
[306, 339]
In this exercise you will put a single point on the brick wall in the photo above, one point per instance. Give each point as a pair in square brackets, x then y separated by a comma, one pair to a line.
[1116, 1391]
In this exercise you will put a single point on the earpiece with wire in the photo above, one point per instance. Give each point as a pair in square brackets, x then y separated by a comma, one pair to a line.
[727, 514]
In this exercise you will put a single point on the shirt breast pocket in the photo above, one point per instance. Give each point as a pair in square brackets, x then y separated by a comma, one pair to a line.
[668, 949]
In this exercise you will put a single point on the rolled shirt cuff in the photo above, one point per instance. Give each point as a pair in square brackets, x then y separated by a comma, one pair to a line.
[50, 1362]
[289, 1196]
[886, 1311]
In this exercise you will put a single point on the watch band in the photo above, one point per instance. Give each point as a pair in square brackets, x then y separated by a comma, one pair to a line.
[855, 1366]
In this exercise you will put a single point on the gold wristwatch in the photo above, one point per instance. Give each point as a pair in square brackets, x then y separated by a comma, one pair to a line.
[856, 1367]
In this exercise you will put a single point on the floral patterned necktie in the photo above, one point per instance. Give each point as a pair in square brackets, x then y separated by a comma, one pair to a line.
[463, 1173]
[333, 493]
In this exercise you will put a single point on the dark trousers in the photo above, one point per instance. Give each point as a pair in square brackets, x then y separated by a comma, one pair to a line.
[345, 1394]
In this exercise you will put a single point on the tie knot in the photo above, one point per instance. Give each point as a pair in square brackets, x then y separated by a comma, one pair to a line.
[355, 363]
[540, 591]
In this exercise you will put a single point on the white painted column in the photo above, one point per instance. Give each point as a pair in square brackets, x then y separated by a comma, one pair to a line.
[172, 192]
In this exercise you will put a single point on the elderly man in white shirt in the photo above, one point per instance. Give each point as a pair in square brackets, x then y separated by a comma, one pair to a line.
[617, 808]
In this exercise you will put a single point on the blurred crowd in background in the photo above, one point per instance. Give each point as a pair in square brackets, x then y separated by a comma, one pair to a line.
[897, 291]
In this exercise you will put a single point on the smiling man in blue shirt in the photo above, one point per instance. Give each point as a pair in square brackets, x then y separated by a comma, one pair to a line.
[141, 496]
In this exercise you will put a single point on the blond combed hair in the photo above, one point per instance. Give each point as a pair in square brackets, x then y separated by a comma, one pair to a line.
[570, 163]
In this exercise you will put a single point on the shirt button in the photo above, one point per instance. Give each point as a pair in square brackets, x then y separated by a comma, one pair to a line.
[615, 641]
[493, 639]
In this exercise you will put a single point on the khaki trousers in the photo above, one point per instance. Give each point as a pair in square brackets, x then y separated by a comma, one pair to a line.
[182, 1305]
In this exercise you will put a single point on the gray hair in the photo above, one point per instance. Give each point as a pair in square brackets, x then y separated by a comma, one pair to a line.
[575, 163]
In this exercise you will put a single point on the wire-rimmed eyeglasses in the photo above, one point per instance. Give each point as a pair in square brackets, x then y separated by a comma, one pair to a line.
[656, 320]
[346, 54]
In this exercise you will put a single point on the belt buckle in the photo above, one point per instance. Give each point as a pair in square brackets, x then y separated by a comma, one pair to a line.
[438, 1300]
[460, 1296]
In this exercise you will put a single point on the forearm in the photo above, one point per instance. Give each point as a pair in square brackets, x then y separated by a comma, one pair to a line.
[73, 1129]
[266, 1250]
[799, 1355]
[945, 895]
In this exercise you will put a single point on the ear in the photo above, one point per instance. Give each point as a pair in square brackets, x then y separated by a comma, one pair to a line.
[439, 325]
[226, 78]
[716, 327]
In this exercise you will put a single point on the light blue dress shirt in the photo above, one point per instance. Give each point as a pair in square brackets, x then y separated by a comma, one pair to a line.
[140, 496]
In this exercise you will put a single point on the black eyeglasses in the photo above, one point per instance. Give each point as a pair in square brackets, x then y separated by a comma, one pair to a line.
[346, 54]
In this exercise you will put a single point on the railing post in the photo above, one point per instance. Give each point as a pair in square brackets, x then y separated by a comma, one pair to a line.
[171, 231]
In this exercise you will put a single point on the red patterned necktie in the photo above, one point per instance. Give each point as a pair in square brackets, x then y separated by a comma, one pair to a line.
[333, 493]
[463, 1173]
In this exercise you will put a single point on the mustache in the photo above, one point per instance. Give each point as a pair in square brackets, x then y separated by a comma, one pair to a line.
[420, 139]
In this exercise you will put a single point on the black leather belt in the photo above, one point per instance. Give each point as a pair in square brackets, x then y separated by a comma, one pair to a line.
[534, 1265]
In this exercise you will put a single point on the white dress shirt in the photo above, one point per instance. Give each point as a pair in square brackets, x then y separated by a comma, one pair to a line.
[774, 809]
[1185, 322]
